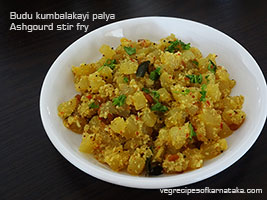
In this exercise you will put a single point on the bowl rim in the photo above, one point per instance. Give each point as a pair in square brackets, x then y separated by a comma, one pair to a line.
[137, 181]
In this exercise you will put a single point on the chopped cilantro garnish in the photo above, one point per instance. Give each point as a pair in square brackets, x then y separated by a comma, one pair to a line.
[154, 75]
[93, 105]
[174, 46]
[126, 80]
[130, 50]
[185, 46]
[146, 90]
[195, 78]
[185, 92]
[109, 63]
[195, 62]
[100, 68]
[159, 107]
[203, 93]
[212, 67]
[155, 94]
[119, 101]
[192, 132]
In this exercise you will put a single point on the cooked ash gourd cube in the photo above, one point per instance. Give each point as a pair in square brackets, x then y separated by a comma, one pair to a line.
[139, 100]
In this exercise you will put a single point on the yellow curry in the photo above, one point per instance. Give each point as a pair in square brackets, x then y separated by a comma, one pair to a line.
[152, 108]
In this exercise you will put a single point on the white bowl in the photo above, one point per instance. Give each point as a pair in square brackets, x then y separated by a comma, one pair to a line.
[58, 87]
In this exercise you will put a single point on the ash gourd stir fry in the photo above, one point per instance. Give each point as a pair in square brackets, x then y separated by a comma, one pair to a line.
[152, 108]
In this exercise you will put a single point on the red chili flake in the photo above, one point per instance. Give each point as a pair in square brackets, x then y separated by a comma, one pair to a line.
[154, 58]
[221, 125]
[137, 133]
[89, 96]
[187, 135]
[99, 99]
[179, 128]
[136, 118]
[110, 117]
[61, 113]
[132, 60]
[230, 114]
[78, 97]
[120, 132]
[148, 97]
[173, 157]
[208, 103]
[158, 147]
[193, 96]
[170, 77]
[186, 78]
[143, 44]
[183, 63]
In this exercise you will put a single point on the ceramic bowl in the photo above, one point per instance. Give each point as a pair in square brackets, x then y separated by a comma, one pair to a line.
[58, 87]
